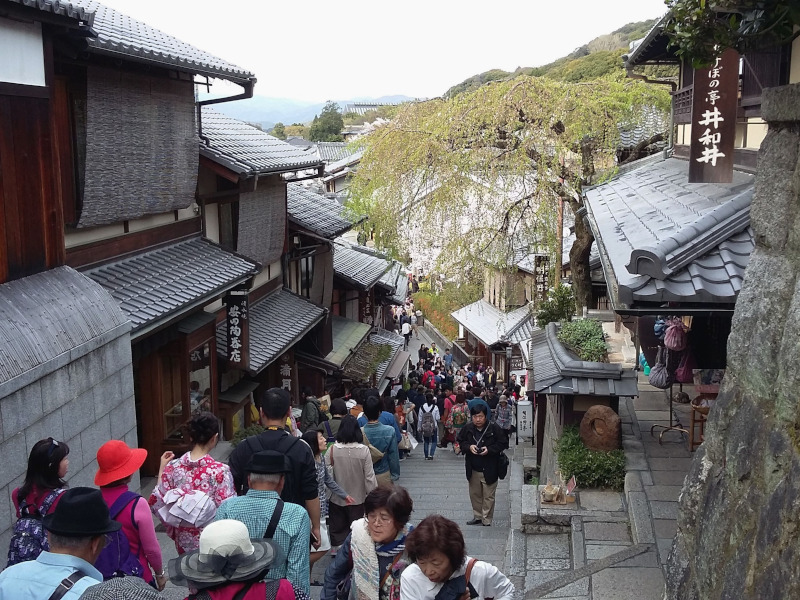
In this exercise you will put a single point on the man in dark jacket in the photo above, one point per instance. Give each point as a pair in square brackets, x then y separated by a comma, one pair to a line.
[482, 442]
[300, 486]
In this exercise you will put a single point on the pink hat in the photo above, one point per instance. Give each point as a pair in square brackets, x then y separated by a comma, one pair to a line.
[116, 460]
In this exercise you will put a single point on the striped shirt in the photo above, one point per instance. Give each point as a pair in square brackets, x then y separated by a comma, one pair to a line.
[293, 534]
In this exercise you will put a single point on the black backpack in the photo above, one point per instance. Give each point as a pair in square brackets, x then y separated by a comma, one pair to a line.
[28, 539]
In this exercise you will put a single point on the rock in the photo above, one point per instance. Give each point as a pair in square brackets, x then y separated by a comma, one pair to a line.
[601, 428]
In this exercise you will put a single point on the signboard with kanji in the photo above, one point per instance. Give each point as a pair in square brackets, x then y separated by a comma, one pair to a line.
[541, 275]
[714, 100]
[237, 329]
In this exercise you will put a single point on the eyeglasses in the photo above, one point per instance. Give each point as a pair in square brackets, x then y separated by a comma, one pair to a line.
[379, 519]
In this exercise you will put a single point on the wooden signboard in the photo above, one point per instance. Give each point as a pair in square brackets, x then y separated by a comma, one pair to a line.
[714, 104]
[237, 329]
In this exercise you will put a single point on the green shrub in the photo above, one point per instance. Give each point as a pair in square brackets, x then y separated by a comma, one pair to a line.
[245, 432]
[592, 469]
[585, 338]
[559, 306]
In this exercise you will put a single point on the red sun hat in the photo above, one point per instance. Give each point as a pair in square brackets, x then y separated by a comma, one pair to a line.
[116, 460]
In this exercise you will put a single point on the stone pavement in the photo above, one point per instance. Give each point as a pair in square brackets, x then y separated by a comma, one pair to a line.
[607, 545]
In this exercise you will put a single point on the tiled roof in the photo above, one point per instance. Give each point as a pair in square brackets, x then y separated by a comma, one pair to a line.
[48, 315]
[348, 335]
[122, 36]
[662, 239]
[159, 284]
[343, 163]
[277, 322]
[362, 365]
[491, 325]
[315, 212]
[70, 10]
[395, 281]
[391, 339]
[247, 150]
[330, 152]
[654, 47]
[358, 265]
[557, 371]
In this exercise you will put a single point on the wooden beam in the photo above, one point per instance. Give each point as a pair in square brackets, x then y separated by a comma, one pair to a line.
[217, 168]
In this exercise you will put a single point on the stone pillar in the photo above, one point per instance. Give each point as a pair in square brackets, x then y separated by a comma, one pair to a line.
[739, 513]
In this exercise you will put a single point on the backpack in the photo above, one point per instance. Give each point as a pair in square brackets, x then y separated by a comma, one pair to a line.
[28, 539]
[428, 424]
[116, 559]
[458, 416]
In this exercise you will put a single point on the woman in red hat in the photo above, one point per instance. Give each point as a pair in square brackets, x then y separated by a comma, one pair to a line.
[117, 462]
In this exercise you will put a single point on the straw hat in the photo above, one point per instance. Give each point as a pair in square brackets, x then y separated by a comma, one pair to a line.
[226, 553]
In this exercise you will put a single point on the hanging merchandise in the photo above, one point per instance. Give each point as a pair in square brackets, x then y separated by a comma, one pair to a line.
[675, 338]
[685, 371]
[660, 328]
[659, 376]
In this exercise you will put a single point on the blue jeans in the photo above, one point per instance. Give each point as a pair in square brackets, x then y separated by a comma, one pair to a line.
[430, 445]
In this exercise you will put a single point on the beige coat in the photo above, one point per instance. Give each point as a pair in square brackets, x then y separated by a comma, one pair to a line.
[352, 470]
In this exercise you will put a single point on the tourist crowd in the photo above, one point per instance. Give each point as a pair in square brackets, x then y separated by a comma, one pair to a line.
[254, 527]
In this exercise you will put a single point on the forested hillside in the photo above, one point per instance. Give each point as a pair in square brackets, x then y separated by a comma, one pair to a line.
[599, 57]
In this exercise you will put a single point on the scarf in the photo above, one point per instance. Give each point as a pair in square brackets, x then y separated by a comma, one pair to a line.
[366, 569]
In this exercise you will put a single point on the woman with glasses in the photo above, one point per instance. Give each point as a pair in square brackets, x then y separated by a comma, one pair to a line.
[369, 563]
[40, 492]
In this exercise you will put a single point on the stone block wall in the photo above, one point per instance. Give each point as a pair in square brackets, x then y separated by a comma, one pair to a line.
[85, 403]
[739, 508]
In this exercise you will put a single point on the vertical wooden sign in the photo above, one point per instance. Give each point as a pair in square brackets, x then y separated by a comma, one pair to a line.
[714, 104]
[237, 329]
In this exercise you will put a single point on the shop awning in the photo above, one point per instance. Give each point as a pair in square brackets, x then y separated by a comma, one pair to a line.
[557, 371]
[398, 365]
[277, 322]
[158, 287]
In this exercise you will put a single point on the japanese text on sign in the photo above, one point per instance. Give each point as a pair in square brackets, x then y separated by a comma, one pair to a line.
[236, 327]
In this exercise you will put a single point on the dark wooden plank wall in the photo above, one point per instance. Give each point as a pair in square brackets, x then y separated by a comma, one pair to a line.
[31, 233]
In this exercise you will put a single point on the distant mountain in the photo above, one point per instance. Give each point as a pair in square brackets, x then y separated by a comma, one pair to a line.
[595, 59]
[267, 111]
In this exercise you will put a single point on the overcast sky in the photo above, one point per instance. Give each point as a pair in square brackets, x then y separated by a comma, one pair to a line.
[312, 50]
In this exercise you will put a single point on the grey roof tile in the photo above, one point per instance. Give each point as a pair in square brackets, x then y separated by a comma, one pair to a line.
[395, 280]
[47, 315]
[330, 152]
[247, 150]
[557, 371]
[315, 212]
[389, 338]
[277, 322]
[195, 269]
[70, 10]
[348, 335]
[665, 240]
[121, 35]
[358, 265]
[491, 325]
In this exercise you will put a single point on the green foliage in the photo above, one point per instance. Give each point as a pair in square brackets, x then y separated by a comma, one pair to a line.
[245, 432]
[591, 469]
[437, 307]
[559, 306]
[585, 338]
[296, 129]
[327, 126]
[593, 66]
[279, 131]
[423, 175]
[699, 28]
[385, 111]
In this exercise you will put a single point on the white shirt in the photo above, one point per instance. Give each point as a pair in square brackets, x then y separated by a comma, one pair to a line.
[487, 580]
[406, 328]
[426, 409]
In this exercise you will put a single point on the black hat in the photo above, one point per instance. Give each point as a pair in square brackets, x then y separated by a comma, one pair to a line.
[80, 512]
[268, 462]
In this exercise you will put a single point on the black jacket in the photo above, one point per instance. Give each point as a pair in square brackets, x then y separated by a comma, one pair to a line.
[494, 439]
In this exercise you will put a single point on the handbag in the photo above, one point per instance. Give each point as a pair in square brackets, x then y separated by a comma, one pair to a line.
[404, 443]
[373, 451]
[659, 376]
[675, 338]
[685, 371]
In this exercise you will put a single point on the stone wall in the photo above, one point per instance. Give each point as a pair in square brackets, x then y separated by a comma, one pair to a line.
[552, 431]
[85, 403]
[740, 506]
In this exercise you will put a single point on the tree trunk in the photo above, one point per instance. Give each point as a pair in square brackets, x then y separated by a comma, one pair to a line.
[579, 260]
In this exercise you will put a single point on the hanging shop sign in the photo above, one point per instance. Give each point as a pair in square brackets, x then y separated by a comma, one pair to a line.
[541, 275]
[714, 105]
[237, 329]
